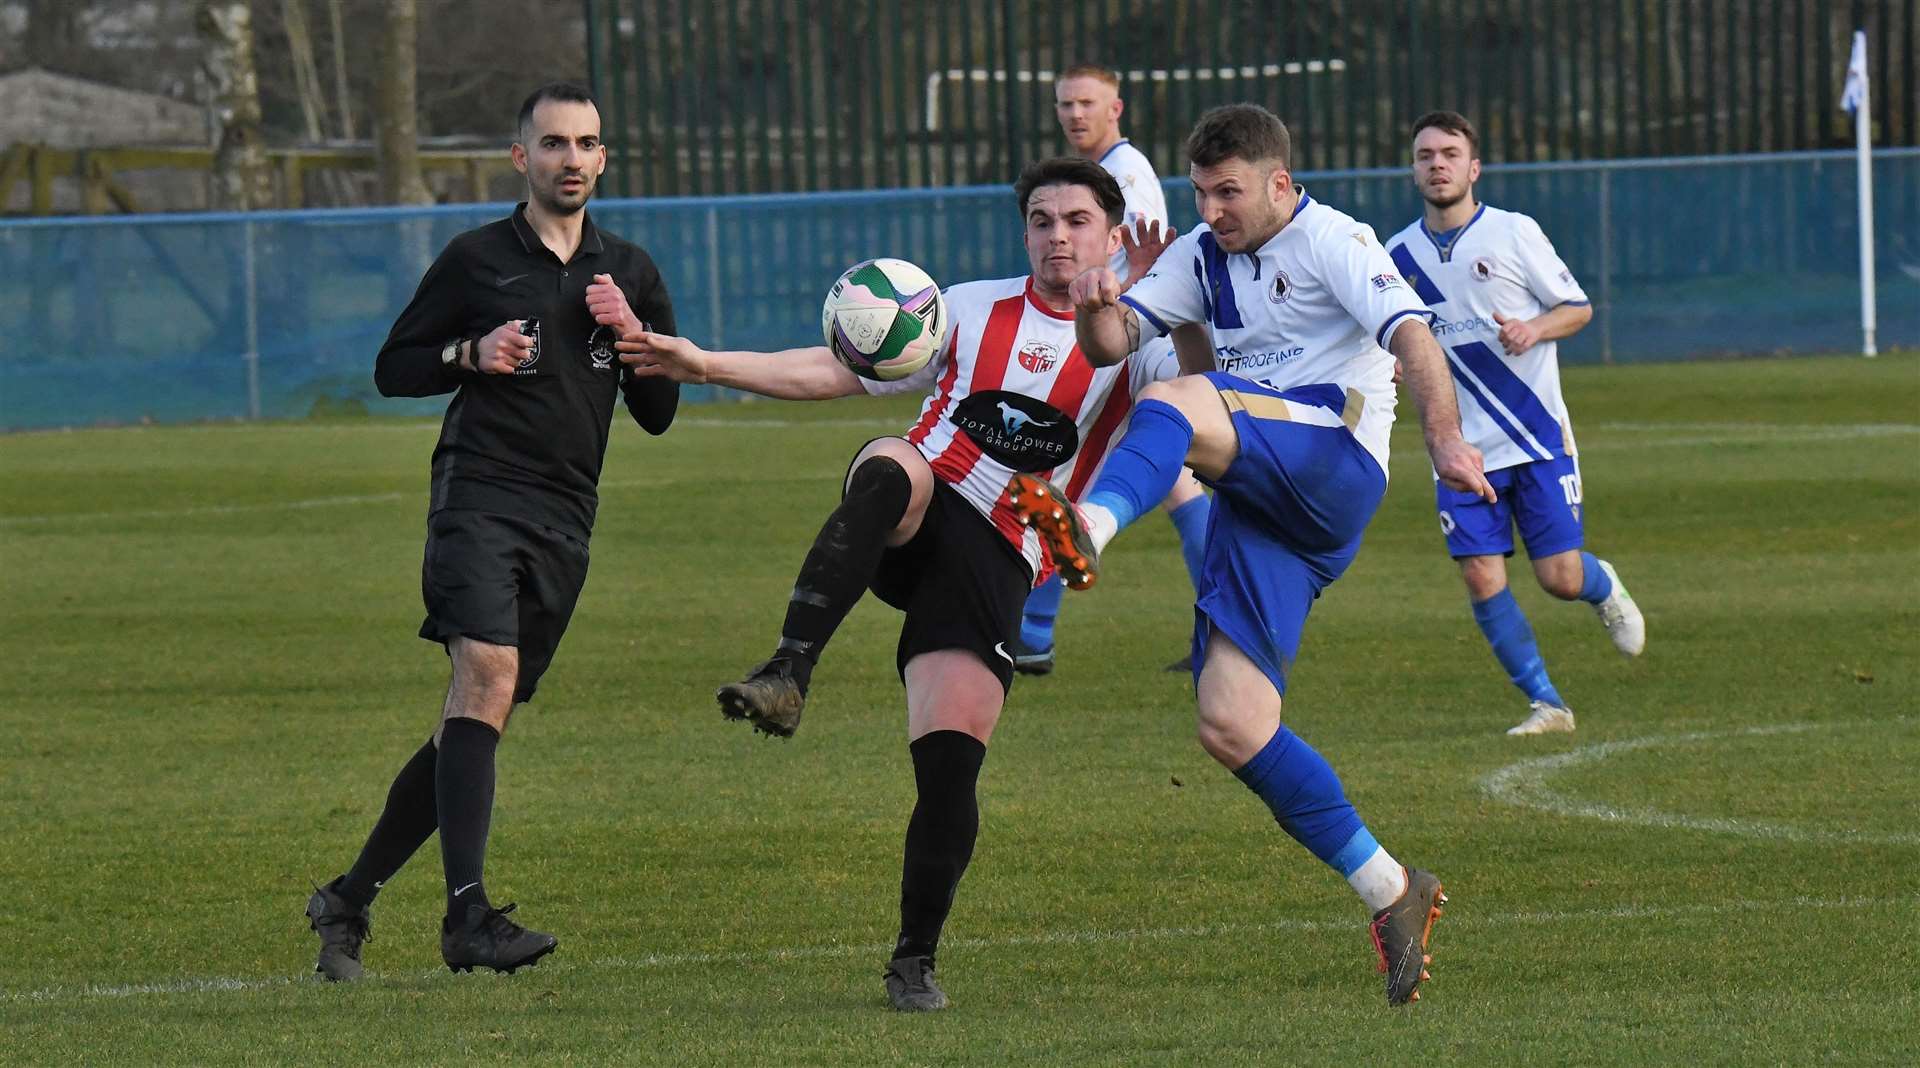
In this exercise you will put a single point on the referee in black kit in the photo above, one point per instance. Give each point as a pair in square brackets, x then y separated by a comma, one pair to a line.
[517, 320]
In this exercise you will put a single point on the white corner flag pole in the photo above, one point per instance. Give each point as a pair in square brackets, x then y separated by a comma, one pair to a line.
[1855, 98]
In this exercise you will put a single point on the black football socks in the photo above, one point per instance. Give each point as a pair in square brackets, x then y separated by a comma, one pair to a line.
[842, 561]
[404, 825]
[940, 836]
[463, 788]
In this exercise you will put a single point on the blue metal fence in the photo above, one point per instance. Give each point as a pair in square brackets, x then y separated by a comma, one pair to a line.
[279, 314]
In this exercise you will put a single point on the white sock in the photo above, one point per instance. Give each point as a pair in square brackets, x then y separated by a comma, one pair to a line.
[1102, 525]
[1380, 881]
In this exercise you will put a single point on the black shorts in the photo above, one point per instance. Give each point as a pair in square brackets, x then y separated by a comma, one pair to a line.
[502, 580]
[960, 583]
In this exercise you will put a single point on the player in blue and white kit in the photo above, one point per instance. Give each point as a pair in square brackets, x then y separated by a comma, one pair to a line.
[1291, 431]
[1088, 105]
[1502, 298]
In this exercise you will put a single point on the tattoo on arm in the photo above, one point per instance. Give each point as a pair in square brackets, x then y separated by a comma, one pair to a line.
[1130, 322]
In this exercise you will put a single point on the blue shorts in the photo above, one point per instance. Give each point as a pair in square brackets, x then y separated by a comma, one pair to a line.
[1543, 497]
[1287, 519]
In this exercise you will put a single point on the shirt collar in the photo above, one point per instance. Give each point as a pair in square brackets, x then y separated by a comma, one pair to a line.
[590, 242]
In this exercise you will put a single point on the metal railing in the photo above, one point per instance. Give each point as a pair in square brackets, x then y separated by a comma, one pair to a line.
[744, 96]
[190, 317]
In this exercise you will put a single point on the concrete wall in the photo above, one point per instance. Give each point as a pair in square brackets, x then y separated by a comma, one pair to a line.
[63, 112]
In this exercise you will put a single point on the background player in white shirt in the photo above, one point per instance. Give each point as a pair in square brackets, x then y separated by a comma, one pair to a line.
[1502, 298]
[1087, 103]
[1291, 433]
[924, 523]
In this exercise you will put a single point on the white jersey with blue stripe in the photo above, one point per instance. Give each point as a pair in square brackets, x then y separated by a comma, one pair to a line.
[1309, 311]
[1139, 186]
[1511, 408]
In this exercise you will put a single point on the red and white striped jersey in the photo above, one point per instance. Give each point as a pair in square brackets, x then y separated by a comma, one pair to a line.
[1002, 339]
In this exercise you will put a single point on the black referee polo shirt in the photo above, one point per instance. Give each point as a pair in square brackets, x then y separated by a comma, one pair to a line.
[529, 444]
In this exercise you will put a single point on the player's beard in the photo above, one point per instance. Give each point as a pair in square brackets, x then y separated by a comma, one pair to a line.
[1270, 223]
[556, 201]
[1445, 202]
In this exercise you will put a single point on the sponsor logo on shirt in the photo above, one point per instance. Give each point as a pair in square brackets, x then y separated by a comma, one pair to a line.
[1233, 361]
[1443, 328]
[1016, 430]
[1038, 357]
[1384, 282]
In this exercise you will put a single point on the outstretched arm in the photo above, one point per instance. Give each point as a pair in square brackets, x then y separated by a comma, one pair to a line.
[1107, 330]
[1424, 368]
[795, 374]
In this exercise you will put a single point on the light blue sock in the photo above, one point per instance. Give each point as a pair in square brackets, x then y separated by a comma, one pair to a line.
[1142, 469]
[1043, 607]
[1507, 631]
[1303, 792]
[1595, 586]
[1190, 521]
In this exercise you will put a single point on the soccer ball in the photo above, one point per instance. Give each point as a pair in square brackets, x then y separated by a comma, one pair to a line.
[884, 319]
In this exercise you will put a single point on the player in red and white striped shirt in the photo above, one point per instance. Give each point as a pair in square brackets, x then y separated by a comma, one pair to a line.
[923, 522]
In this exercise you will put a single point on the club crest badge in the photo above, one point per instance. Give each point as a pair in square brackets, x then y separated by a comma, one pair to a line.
[600, 348]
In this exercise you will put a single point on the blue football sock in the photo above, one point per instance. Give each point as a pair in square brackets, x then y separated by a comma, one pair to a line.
[1190, 521]
[1143, 468]
[1300, 787]
[1043, 606]
[1507, 631]
[1595, 586]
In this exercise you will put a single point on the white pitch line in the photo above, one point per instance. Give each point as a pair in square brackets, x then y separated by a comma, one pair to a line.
[1524, 784]
[1744, 433]
[1092, 936]
[202, 509]
[267, 506]
[1759, 428]
[1694, 435]
[432, 426]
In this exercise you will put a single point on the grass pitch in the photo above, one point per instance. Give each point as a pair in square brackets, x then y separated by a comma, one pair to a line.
[212, 676]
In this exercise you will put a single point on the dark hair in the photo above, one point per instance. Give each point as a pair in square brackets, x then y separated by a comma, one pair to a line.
[566, 92]
[1239, 131]
[1090, 70]
[1452, 122]
[1072, 170]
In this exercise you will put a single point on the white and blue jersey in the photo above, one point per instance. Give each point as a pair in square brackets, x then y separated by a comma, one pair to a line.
[1298, 327]
[1139, 186]
[1511, 408]
[1307, 314]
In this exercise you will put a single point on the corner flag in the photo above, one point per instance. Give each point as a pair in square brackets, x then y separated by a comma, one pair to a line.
[1855, 92]
[1856, 99]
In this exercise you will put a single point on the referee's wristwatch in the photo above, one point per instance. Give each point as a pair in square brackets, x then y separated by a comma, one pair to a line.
[450, 353]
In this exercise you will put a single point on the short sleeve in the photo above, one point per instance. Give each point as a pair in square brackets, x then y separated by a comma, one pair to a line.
[1547, 274]
[1170, 294]
[1362, 277]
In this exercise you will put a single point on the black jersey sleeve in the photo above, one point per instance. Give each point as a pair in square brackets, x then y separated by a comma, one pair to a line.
[409, 364]
[652, 401]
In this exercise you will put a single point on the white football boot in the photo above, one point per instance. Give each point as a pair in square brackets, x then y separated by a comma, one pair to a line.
[1622, 618]
[1544, 718]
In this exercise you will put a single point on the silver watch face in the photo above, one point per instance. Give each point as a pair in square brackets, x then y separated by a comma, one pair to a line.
[451, 353]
